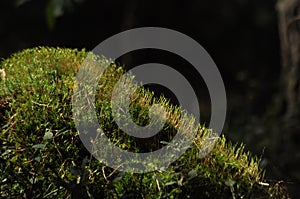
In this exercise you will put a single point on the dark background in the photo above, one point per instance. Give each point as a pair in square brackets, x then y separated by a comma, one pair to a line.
[240, 35]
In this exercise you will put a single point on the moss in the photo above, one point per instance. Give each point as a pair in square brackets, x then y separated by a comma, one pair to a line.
[42, 155]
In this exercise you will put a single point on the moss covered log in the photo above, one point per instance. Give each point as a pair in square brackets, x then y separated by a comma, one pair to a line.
[42, 156]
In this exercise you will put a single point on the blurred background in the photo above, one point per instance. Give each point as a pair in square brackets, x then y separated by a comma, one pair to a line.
[241, 36]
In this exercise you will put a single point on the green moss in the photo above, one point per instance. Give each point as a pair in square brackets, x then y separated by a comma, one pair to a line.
[42, 155]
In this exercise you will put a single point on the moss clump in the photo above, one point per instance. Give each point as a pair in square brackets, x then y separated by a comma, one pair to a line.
[43, 157]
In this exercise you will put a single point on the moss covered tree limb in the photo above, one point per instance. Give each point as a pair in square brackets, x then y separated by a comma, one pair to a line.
[42, 155]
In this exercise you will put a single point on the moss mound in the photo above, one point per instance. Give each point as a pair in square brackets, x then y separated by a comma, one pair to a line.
[43, 157]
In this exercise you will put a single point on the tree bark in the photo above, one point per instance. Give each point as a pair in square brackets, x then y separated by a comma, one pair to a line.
[289, 120]
[289, 32]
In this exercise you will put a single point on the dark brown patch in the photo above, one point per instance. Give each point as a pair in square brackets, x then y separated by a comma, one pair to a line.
[4, 104]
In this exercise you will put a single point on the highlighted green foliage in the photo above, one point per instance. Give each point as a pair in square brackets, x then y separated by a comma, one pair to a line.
[42, 156]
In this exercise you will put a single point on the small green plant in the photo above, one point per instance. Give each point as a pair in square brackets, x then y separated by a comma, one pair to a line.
[42, 156]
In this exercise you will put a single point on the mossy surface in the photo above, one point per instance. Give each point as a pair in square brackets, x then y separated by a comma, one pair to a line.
[43, 157]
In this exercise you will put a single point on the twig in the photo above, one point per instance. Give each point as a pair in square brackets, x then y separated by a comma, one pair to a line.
[45, 105]
[10, 126]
